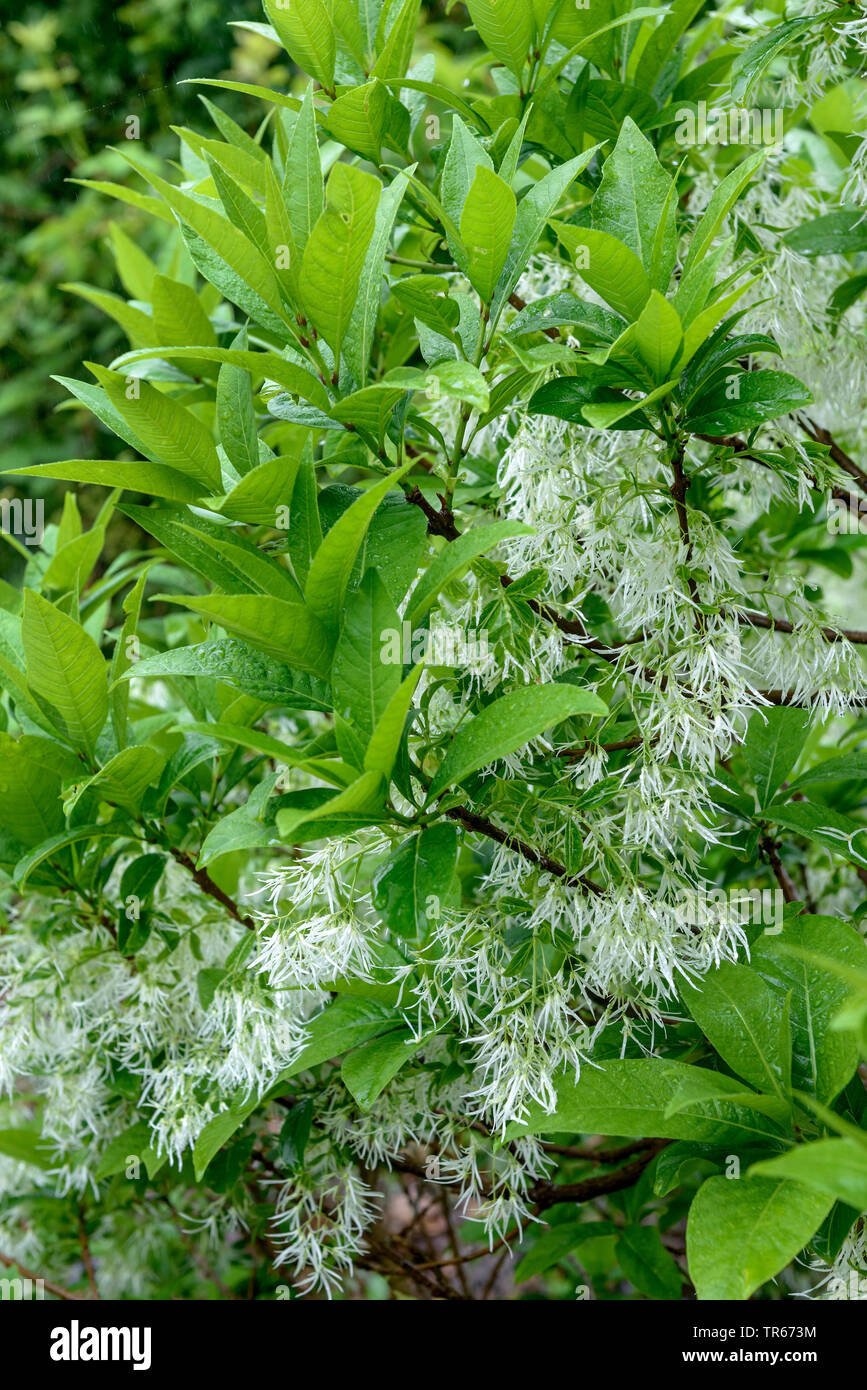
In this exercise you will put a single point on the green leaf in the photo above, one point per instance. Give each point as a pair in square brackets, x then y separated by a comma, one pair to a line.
[741, 1233]
[137, 325]
[749, 66]
[823, 1060]
[486, 230]
[705, 1085]
[722, 200]
[362, 682]
[306, 32]
[231, 246]
[334, 255]
[171, 434]
[295, 1133]
[332, 565]
[507, 724]
[44, 852]
[745, 400]
[608, 267]
[419, 881]
[215, 1134]
[219, 552]
[658, 335]
[382, 750]
[848, 767]
[572, 397]
[773, 744]
[740, 1016]
[261, 365]
[647, 1264]
[633, 198]
[555, 1244]
[135, 1144]
[534, 212]
[395, 53]
[65, 671]
[290, 632]
[833, 234]
[236, 416]
[369, 1068]
[454, 558]
[358, 804]
[303, 184]
[25, 1146]
[362, 323]
[831, 829]
[179, 318]
[364, 117]
[506, 28]
[836, 1167]
[261, 493]
[630, 1098]
[124, 779]
[241, 666]
[464, 157]
[30, 781]
[72, 563]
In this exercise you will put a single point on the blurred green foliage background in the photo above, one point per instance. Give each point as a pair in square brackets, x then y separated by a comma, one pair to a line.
[71, 78]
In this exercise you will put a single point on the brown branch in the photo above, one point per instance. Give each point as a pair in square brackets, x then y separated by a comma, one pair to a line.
[518, 303]
[208, 886]
[741, 447]
[831, 634]
[473, 821]
[781, 873]
[56, 1289]
[85, 1253]
[597, 1155]
[547, 1195]
[838, 455]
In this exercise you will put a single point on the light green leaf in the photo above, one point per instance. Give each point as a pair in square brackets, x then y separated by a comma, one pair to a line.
[306, 32]
[367, 1070]
[534, 211]
[396, 52]
[454, 558]
[722, 200]
[384, 745]
[772, 746]
[124, 779]
[837, 1167]
[740, 1234]
[507, 724]
[334, 255]
[633, 196]
[362, 682]
[505, 27]
[742, 1018]
[823, 1060]
[291, 632]
[486, 229]
[65, 671]
[630, 1098]
[332, 565]
[172, 434]
[608, 267]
